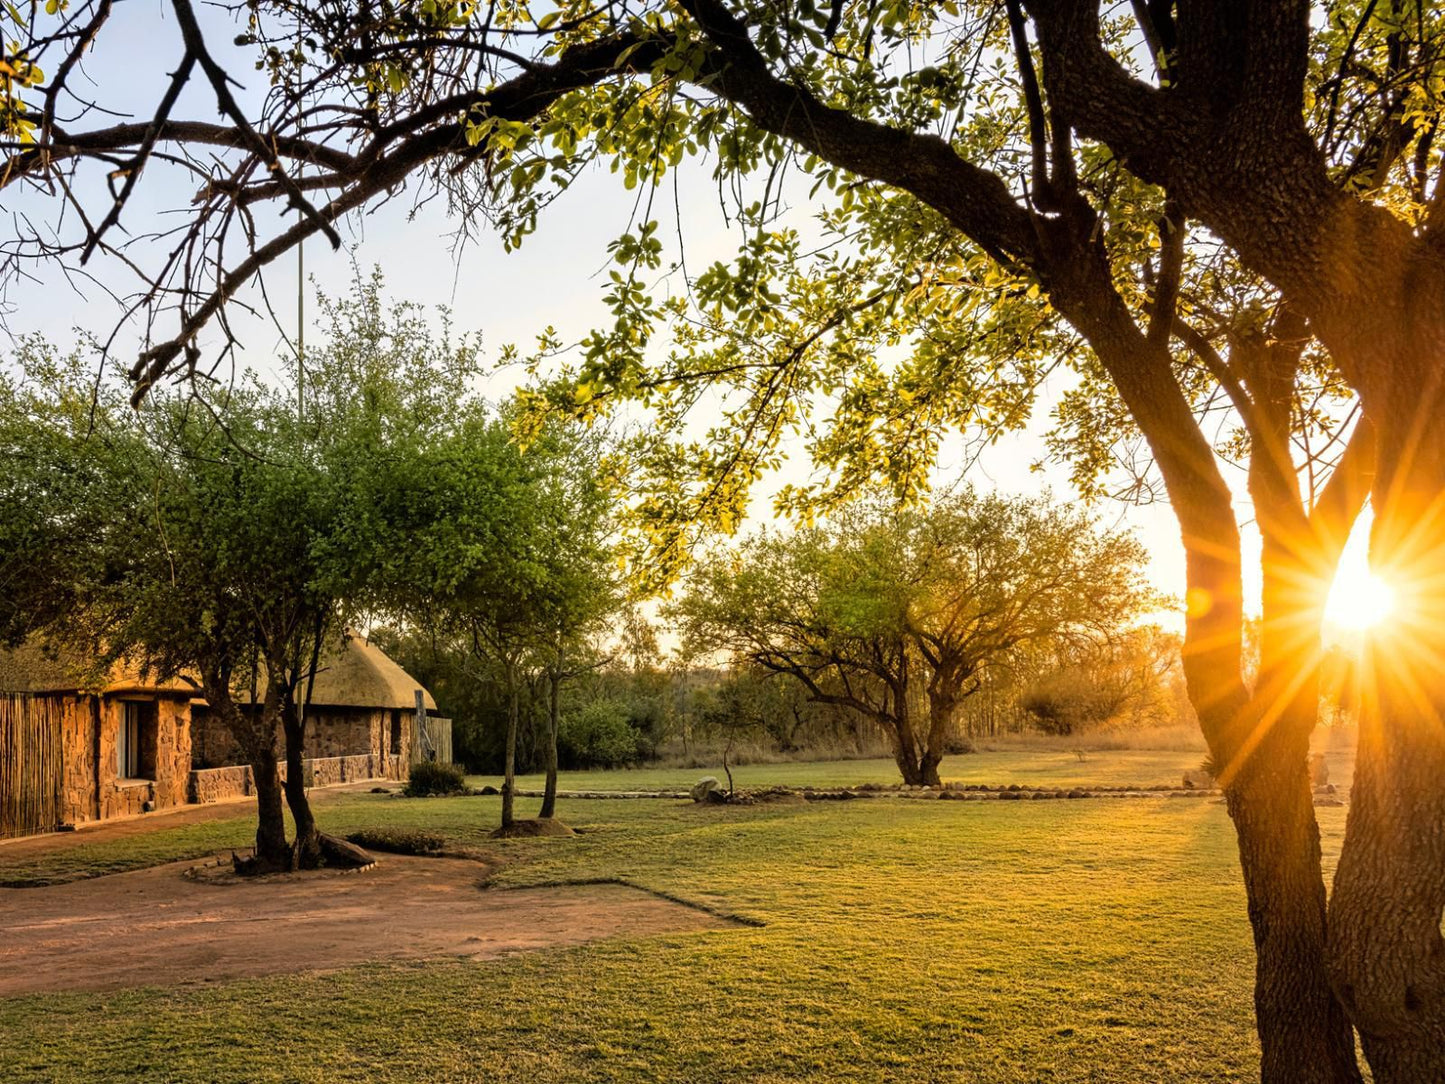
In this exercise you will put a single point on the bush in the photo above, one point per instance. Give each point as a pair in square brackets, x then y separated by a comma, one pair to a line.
[957, 745]
[1070, 701]
[428, 778]
[397, 840]
[598, 736]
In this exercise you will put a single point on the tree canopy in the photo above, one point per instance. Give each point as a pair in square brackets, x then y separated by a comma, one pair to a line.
[896, 613]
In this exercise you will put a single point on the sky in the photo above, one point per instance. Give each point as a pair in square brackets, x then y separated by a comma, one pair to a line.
[557, 278]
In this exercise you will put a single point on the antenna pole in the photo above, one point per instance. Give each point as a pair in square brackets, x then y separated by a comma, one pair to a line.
[300, 259]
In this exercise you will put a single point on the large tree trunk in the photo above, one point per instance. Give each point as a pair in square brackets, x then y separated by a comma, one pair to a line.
[256, 736]
[1301, 1036]
[940, 711]
[943, 698]
[1304, 1034]
[905, 743]
[1387, 954]
[273, 853]
[554, 690]
[307, 844]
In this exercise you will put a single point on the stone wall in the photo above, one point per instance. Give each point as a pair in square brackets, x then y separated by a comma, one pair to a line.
[80, 738]
[330, 732]
[214, 784]
[328, 771]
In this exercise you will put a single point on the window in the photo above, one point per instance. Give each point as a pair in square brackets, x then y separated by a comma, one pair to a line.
[135, 745]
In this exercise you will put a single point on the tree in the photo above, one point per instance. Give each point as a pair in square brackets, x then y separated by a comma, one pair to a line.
[504, 549]
[253, 546]
[1304, 139]
[896, 613]
[70, 460]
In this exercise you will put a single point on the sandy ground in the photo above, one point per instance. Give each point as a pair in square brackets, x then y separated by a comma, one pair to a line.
[162, 927]
[229, 809]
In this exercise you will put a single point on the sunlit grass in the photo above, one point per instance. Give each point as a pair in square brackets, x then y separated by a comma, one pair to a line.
[903, 941]
[1050, 767]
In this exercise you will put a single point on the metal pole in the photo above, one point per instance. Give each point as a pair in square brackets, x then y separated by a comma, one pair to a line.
[300, 258]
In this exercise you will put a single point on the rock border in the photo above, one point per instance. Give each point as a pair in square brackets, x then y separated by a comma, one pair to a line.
[959, 792]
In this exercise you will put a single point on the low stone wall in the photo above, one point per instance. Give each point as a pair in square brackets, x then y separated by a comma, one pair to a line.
[213, 784]
[328, 771]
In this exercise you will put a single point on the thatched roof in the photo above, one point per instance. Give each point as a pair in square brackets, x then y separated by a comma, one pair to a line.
[361, 675]
[356, 675]
[34, 667]
[31, 669]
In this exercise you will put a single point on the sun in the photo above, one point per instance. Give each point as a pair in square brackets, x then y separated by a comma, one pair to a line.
[1358, 598]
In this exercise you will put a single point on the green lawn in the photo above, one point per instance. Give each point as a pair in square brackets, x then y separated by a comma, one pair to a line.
[1097, 940]
[1028, 766]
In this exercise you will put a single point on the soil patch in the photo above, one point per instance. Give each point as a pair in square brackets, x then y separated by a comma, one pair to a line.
[168, 927]
[532, 829]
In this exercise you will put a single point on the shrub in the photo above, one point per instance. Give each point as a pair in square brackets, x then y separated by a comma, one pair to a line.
[957, 745]
[397, 840]
[428, 778]
[1070, 701]
[598, 736]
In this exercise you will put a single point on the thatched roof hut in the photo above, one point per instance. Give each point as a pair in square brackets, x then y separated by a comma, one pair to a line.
[360, 675]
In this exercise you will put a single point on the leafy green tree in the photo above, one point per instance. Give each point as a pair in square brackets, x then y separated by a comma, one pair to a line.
[504, 550]
[896, 613]
[255, 541]
[71, 459]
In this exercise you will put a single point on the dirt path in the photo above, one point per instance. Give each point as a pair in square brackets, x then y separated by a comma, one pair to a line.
[161, 927]
[98, 832]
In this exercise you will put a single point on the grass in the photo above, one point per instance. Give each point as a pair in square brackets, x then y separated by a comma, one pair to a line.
[1051, 766]
[902, 941]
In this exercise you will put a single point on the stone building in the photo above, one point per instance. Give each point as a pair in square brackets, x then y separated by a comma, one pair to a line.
[77, 748]
[361, 724]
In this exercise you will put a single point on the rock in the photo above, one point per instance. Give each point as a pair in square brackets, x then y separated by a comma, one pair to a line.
[488, 789]
[1328, 800]
[1198, 780]
[1319, 770]
[704, 788]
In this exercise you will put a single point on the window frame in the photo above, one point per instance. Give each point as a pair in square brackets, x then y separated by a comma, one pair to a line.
[135, 716]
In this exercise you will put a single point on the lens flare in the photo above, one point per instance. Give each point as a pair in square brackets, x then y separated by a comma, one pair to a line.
[1358, 599]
